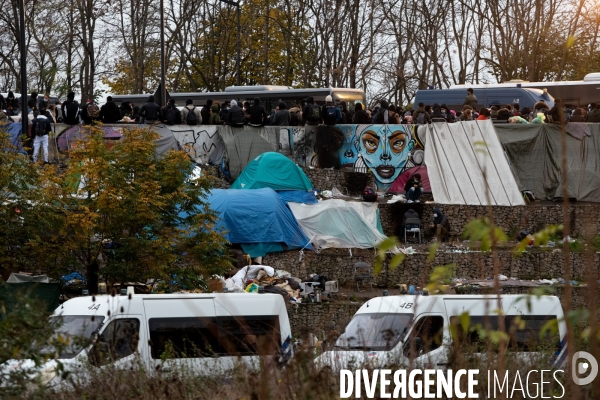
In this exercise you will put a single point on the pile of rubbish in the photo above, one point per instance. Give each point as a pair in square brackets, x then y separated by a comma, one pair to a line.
[266, 279]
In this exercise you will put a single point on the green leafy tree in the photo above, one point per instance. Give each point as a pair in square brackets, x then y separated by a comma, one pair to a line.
[131, 212]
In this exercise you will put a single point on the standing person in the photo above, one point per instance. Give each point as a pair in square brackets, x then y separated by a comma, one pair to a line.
[330, 113]
[256, 116]
[70, 110]
[282, 117]
[215, 118]
[360, 115]
[235, 116]
[109, 112]
[295, 116]
[420, 116]
[413, 189]
[44, 102]
[190, 115]
[440, 226]
[393, 117]
[150, 111]
[224, 111]
[471, 99]
[347, 113]
[91, 112]
[171, 114]
[40, 129]
[205, 112]
[311, 116]
[594, 114]
[382, 116]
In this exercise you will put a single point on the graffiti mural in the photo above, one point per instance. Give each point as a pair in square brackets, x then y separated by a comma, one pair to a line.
[198, 141]
[384, 150]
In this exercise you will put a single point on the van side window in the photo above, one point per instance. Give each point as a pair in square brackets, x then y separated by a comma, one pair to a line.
[119, 340]
[183, 337]
[249, 335]
[213, 337]
[426, 336]
[471, 337]
[524, 332]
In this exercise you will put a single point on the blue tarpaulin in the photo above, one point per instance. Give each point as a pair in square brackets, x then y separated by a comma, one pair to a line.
[298, 196]
[14, 130]
[257, 216]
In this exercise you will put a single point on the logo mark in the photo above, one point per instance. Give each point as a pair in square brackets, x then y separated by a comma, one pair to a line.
[579, 368]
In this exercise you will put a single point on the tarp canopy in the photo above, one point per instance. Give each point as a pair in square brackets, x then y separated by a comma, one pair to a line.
[400, 182]
[467, 165]
[272, 170]
[258, 218]
[166, 141]
[535, 153]
[340, 224]
[76, 133]
[243, 145]
[21, 278]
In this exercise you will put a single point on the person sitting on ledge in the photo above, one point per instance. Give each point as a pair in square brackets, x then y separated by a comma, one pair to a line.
[413, 189]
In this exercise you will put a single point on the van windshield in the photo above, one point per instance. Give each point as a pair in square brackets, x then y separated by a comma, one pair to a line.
[73, 332]
[377, 331]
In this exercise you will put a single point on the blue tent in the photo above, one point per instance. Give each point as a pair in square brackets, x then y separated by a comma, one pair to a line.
[257, 219]
[14, 130]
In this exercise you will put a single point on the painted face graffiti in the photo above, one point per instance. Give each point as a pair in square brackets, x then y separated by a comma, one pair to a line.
[385, 150]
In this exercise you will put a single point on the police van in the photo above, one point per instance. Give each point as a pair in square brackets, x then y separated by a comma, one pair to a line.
[205, 333]
[486, 97]
[393, 330]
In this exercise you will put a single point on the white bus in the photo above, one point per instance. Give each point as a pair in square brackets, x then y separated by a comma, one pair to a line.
[269, 95]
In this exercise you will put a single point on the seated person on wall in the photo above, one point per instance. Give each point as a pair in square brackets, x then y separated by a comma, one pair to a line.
[413, 189]
[440, 226]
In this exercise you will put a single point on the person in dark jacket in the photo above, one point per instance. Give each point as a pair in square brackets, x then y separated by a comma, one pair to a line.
[557, 113]
[205, 112]
[256, 115]
[360, 115]
[440, 226]
[125, 110]
[331, 114]
[150, 111]
[170, 114]
[109, 112]
[420, 116]
[282, 117]
[70, 110]
[235, 116]
[437, 116]
[413, 189]
[578, 115]
[224, 111]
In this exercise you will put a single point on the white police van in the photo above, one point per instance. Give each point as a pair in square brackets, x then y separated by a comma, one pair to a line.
[392, 330]
[205, 333]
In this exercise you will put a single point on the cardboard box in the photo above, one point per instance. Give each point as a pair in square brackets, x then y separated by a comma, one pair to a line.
[215, 285]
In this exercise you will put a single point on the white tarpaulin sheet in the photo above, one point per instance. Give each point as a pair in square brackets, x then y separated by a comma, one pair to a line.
[339, 224]
[467, 165]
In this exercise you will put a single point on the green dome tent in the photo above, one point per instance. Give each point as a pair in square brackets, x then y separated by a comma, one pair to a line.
[273, 170]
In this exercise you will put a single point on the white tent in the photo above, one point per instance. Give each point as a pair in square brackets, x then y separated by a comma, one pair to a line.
[340, 224]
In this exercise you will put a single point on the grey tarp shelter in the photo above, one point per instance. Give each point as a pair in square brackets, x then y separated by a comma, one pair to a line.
[467, 165]
[244, 145]
[535, 154]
